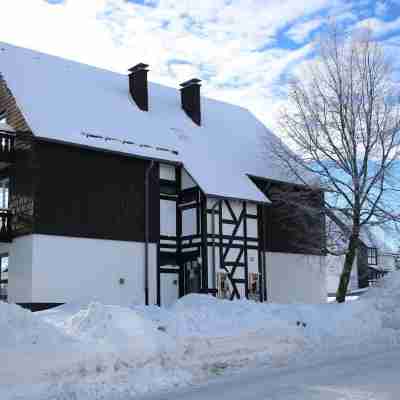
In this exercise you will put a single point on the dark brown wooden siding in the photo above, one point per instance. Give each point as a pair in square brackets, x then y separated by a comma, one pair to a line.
[92, 194]
[23, 179]
[23, 172]
[293, 223]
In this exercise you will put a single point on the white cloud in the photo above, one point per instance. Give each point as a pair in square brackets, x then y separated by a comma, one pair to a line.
[218, 40]
[380, 27]
[300, 31]
[381, 8]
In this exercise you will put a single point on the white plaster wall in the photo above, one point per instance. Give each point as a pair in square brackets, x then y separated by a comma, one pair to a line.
[20, 270]
[290, 277]
[236, 206]
[252, 232]
[187, 181]
[295, 278]
[387, 262]
[68, 269]
[167, 217]
[211, 202]
[334, 267]
[153, 276]
[252, 256]
[167, 172]
[189, 222]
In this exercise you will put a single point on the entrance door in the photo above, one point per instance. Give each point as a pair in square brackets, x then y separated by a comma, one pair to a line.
[169, 287]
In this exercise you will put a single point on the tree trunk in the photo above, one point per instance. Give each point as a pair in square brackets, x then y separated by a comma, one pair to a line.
[346, 272]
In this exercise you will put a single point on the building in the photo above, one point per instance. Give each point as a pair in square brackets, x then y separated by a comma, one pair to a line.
[127, 191]
[377, 255]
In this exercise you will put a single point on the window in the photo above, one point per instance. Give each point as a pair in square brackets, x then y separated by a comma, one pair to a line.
[372, 255]
[4, 192]
[167, 187]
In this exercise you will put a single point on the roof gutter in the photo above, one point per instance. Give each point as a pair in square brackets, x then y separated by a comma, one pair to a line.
[146, 232]
[220, 197]
[104, 150]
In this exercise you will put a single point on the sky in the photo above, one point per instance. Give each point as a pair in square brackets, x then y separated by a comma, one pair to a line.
[243, 50]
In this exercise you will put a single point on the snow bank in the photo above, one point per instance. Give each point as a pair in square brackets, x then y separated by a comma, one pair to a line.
[211, 330]
[73, 350]
[100, 351]
[19, 327]
[111, 324]
[385, 299]
[121, 330]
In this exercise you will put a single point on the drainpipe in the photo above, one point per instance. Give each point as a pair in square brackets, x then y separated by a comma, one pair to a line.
[263, 258]
[213, 243]
[146, 233]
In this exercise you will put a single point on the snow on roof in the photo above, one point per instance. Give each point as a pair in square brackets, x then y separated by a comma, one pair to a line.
[382, 237]
[76, 103]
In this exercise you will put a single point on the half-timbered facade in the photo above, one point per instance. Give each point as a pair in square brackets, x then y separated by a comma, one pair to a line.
[125, 191]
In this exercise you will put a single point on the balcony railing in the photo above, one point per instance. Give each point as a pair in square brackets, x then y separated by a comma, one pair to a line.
[5, 225]
[7, 154]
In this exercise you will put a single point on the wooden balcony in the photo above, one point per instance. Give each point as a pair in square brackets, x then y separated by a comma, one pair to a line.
[5, 226]
[7, 152]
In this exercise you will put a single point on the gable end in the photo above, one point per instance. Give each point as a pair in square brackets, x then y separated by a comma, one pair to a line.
[8, 105]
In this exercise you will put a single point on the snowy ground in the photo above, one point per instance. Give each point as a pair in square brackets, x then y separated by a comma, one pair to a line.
[97, 351]
[367, 377]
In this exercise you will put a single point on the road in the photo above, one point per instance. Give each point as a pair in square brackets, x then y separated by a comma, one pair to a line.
[369, 377]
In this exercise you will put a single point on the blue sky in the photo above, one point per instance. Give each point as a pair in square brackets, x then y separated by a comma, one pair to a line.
[243, 50]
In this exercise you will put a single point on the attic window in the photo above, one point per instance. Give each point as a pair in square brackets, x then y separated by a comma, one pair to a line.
[372, 255]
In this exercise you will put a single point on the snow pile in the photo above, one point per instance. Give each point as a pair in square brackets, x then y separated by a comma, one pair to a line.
[114, 325]
[385, 298]
[129, 352]
[73, 352]
[19, 327]
[209, 331]
[121, 330]
[102, 351]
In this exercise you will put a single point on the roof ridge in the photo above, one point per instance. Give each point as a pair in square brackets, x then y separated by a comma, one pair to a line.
[95, 67]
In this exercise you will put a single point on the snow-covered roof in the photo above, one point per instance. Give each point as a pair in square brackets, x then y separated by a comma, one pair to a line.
[380, 237]
[76, 103]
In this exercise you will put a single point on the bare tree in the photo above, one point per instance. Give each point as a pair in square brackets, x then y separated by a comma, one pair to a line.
[342, 120]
